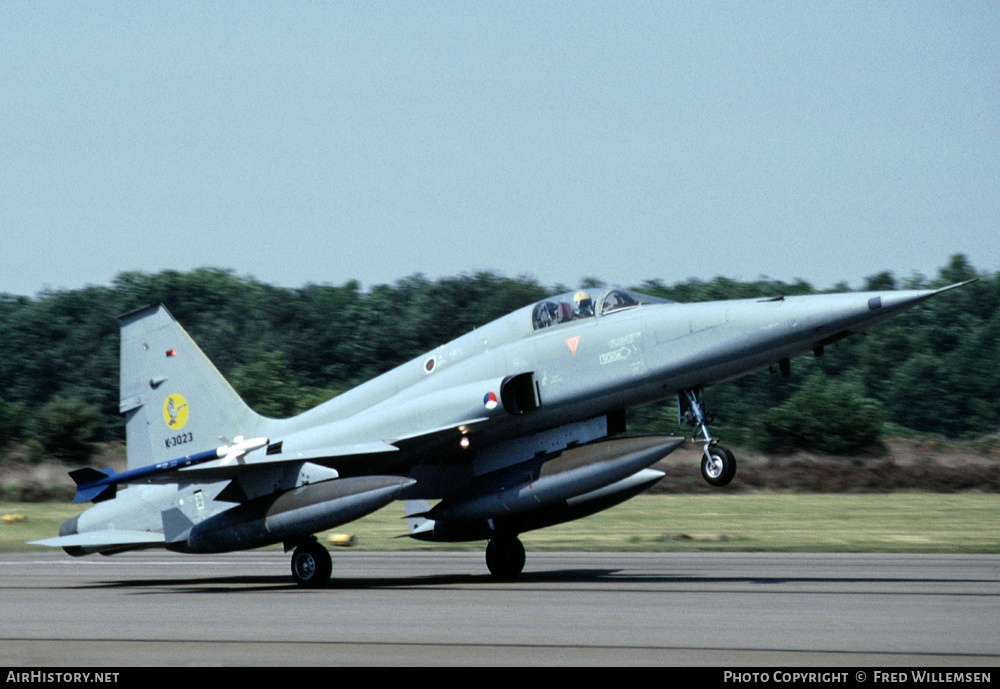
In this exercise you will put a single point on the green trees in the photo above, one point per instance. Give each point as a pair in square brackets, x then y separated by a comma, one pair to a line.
[14, 418]
[824, 415]
[68, 429]
[934, 369]
[268, 385]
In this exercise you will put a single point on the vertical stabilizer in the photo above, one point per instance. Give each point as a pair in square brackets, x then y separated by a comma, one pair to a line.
[174, 399]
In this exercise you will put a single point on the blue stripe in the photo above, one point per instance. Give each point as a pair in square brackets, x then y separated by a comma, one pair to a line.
[87, 491]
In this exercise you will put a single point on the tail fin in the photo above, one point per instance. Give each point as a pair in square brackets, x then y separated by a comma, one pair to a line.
[174, 399]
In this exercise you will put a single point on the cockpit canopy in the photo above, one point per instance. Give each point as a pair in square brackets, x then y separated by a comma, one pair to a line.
[574, 306]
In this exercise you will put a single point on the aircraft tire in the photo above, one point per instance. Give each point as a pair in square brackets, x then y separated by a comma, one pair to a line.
[719, 468]
[311, 565]
[505, 557]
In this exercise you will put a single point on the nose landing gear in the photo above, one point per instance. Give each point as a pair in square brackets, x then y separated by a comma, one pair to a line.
[718, 464]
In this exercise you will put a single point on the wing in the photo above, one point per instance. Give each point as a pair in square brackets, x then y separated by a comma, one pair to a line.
[228, 462]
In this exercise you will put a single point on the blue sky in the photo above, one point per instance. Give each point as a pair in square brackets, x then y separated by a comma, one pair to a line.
[320, 142]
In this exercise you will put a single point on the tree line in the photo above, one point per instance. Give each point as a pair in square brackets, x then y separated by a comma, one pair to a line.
[933, 369]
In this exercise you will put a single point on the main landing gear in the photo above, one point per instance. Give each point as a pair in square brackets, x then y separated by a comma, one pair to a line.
[504, 556]
[311, 564]
[718, 464]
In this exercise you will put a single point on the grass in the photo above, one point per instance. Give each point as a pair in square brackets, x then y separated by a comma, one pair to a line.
[807, 522]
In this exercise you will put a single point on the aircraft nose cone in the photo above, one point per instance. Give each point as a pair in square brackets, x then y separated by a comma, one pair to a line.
[895, 301]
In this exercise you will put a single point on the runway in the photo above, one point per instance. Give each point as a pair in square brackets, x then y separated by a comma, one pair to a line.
[442, 608]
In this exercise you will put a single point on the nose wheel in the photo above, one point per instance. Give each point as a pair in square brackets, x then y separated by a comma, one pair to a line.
[718, 464]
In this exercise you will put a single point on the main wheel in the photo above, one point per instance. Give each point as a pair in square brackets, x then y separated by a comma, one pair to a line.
[718, 467]
[311, 565]
[505, 557]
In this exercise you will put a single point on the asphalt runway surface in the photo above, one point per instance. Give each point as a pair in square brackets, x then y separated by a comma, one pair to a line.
[442, 608]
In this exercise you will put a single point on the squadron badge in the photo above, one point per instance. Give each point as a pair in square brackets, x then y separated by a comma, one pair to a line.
[175, 411]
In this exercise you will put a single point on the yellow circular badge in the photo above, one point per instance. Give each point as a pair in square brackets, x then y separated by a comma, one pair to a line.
[175, 411]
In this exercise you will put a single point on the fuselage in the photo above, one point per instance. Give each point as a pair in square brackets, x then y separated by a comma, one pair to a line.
[578, 367]
[507, 425]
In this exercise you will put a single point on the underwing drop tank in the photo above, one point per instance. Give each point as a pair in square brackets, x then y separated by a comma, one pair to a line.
[285, 517]
[568, 484]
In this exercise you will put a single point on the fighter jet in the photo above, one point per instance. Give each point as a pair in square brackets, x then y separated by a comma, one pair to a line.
[517, 425]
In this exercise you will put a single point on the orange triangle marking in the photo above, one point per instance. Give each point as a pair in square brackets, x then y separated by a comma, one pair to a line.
[572, 342]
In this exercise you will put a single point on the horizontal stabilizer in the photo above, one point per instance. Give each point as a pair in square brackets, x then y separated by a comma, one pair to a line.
[102, 539]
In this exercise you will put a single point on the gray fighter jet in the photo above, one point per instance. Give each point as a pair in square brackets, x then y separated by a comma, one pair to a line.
[515, 426]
